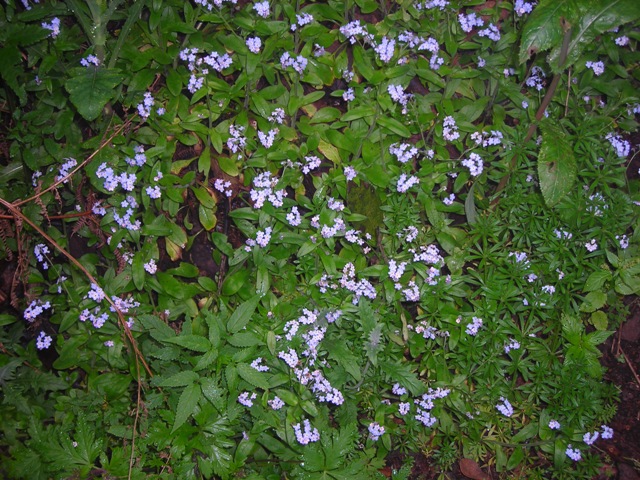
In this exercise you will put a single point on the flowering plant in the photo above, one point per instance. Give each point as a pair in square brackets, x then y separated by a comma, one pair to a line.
[264, 240]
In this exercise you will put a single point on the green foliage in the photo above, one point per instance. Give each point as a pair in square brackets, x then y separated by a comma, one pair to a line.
[275, 270]
[557, 167]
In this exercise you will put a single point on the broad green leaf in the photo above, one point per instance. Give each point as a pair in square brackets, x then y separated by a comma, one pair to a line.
[252, 376]
[329, 151]
[557, 168]
[401, 373]
[191, 342]
[244, 339]
[543, 28]
[597, 280]
[242, 315]
[186, 405]
[599, 320]
[358, 112]
[174, 83]
[158, 329]
[589, 20]
[180, 379]
[325, 115]
[90, 89]
[593, 301]
[394, 126]
[207, 217]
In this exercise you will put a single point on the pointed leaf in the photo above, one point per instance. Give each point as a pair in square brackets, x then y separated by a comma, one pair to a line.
[252, 376]
[543, 29]
[402, 374]
[242, 315]
[191, 342]
[186, 405]
[394, 126]
[180, 379]
[91, 88]
[557, 168]
[590, 20]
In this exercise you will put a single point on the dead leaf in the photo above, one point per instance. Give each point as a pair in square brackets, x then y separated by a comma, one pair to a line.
[471, 469]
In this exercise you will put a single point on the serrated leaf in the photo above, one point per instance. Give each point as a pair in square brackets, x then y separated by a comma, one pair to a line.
[157, 328]
[205, 360]
[180, 379]
[598, 337]
[244, 339]
[191, 342]
[90, 89]
[402, 374]
[557, 168]
[252, 376]
[593, 301]
[242, 315]
[186, 405]
[213, 393]
[597, 280]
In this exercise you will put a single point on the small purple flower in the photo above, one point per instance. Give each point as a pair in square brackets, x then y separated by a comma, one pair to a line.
[43, 341]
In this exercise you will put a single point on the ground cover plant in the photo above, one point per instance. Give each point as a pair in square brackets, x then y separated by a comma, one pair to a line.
[297, 240]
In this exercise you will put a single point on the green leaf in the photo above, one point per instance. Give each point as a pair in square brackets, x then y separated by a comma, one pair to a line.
[598, 337]
[557, 168]
[394, 126]
[186, 405]
[358, 112]
[599, 320]
[244, 339]
[402, 374]
[180, 379]
[329, 151]
[593, 301]
[589, 19]
[242, 314]
[207, 217]
[252, 376]
[137, 270]
[597, 280]
[470, 206]
[158, 329]
[214, 393]
[543, 29]
[191, 342]
[90, 89]
[174, 83]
